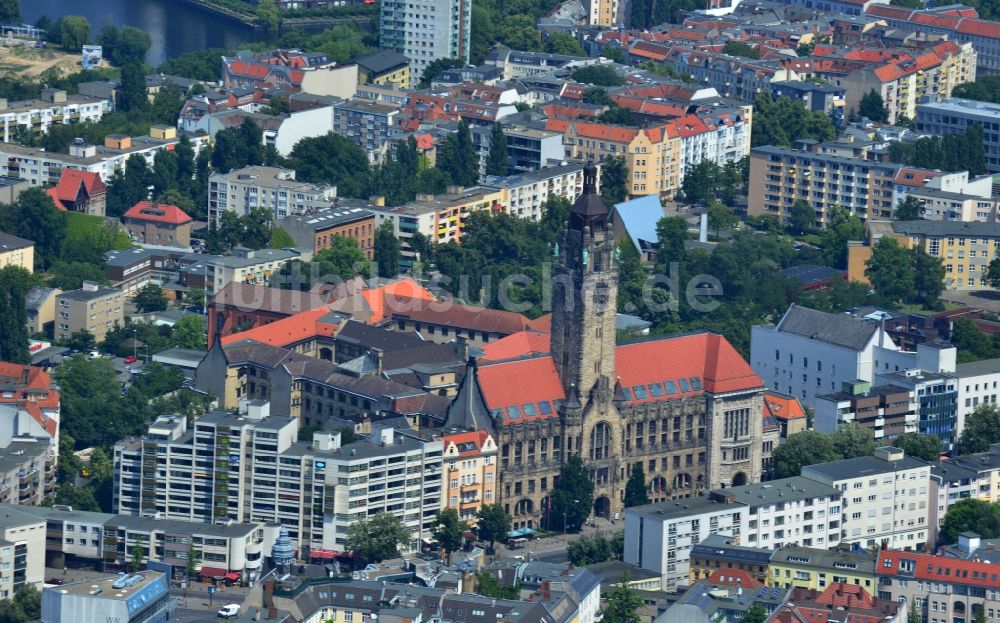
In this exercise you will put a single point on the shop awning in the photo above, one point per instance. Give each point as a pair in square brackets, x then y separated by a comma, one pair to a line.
[520, 532]
[233, 575]
[322, 554]
[212, 572]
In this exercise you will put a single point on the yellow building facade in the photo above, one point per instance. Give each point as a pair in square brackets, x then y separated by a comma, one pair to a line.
[16, 251]
[816, 569]
[652, 155]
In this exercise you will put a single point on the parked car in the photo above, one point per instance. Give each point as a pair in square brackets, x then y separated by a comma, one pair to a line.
[131, 359]
[229, 610]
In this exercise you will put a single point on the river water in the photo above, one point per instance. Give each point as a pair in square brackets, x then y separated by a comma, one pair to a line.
[175, 27]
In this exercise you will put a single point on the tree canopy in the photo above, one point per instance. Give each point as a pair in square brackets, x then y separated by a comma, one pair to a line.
[450, 531]
[14, 285]
[572, 498]
[331, 159]
[377, 538]
[982, 428]
[782, 121]
[979, 516]
[492, 523]
[636, 489]
[873, 107]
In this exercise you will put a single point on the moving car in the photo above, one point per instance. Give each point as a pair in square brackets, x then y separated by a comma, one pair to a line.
[229, 610]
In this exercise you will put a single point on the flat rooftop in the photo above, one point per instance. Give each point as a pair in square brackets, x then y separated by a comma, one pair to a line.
[112, 587]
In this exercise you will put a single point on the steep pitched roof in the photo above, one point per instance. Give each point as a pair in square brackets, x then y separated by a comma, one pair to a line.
[782, 406]
[517, 345]
[837, 329]
[157, 212]
[291, 329]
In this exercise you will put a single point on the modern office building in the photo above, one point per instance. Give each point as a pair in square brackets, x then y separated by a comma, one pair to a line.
[934, 398]
[884, 409]
[135, 598]
[242, 190]
[94, 308]
[426, 30]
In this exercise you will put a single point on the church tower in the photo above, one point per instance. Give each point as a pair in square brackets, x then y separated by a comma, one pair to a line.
[585, 296]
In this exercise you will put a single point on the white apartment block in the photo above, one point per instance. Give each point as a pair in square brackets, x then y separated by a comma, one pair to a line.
[242, 190]
[426, 30]
[810, 353]
[524, 195]
[978, 383]
[718, 137]
[791, 511]
[55, 107]
[43, 168]
[885, 498]
[659, 537]
[315, 490]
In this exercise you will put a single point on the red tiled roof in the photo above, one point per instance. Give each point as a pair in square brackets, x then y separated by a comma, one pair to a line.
[157, 212]
[517, 345]
[606, 132]
[31, 391]
[783, 407]
[405, 288]
[452, 314]
[909, 176]
[734, 577]
[556, 125]
[68, 188]
[289, 330]
[650, 371]
[979, 28]
[884, 10]
[252, 70]
[938, 21]
[477, 437]
[52, 192]
[939, 569]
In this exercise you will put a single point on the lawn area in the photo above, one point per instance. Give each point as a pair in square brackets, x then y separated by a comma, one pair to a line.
[101, 232]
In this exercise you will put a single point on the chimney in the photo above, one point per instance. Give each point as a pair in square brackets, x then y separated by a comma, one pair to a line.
[462, 347]
[546, 590]
[703, 228]
[379, 355]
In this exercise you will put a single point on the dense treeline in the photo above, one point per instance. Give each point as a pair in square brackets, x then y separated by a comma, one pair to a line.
[782, 121]
[952, 152]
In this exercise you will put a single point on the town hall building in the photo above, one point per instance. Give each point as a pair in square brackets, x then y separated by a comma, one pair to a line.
[685, 407]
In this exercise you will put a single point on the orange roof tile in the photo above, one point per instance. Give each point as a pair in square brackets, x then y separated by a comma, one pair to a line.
[940, 569]
[158, 212]
[517, 345]
[405, 288]
[734, 577]
[522, 390]
[783, 407]
[605, 132]
[979, 28]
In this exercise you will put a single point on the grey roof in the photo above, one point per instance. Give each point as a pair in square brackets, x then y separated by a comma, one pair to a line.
[878, 390]
[950, 471]
[947, 228]
[722, 546]
[859, 561]
[774, 491]
[836, 329]
[258, 256]
[675, 509]
[10, 243]
[145, 524]
[381, 61]
[127, 257]
[49, 512]
[977, 368]
[186, 355]
[863, 466]
[979, 461]
[37, 296]
[88, 295]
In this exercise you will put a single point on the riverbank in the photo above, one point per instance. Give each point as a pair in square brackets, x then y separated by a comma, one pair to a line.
[224, 9]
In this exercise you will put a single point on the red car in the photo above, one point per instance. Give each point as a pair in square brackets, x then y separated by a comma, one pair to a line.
[131, 359]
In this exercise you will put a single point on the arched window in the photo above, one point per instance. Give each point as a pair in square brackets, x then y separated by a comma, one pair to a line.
[600, 441]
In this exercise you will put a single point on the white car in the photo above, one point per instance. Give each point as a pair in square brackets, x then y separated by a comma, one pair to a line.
[229, 610]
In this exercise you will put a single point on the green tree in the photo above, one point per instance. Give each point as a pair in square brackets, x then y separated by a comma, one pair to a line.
[636, 490]
[193, 561]
[450, 531]
[377, 538]
[269, 15]
[435, 68]
[332, 159]
[589, 550]
[14, 285]
[912, 615]
[563, 43]
[598, 75]
[458, 157]
[982, 427]
[842, 227]
[492, 523]
[622, 605]
[984, 89]
[923, 447]
[489, 585]
[138, 554]
[150, 298]
[572, 498]
[614, 180]
[36, 218]
[801, 217]
[189, 332]
[82, 340]
[387, 250]
[928, 277]
[496, 162]
[967, 514]
[910, 209]
[701, 181]
[29, 599]
[782, 121]
[79, 498]
[74, 32]
[872, 106]
[853, 440]
[805, 448]
[10, 13]
[739, 48]
[889, 270]
[721, 217]
[597, 95]
[756, 614]
[280, 239]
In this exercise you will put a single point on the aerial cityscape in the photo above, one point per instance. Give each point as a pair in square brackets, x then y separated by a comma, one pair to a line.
[467, 311]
